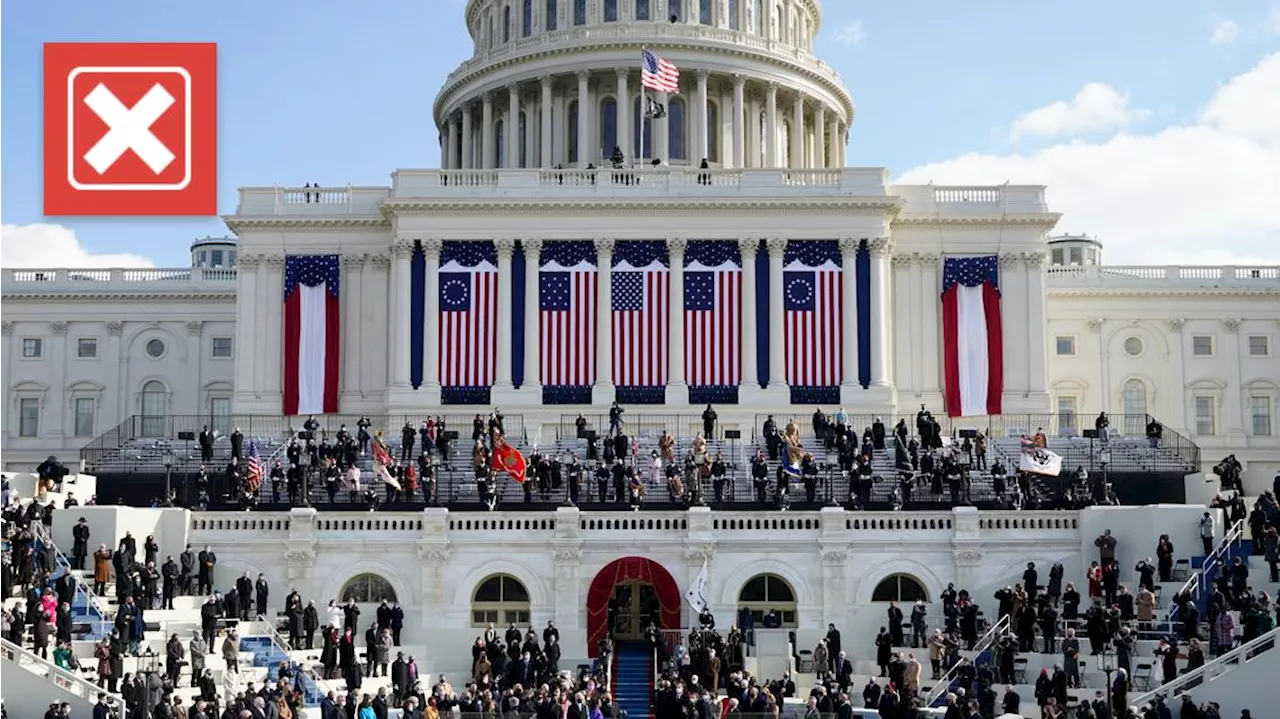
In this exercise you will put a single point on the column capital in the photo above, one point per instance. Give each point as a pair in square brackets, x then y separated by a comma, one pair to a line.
[115, 329]
[1094, 324]
[703, 74]
[622, 73]
[545, 81]
[505, 246]
[431, 246]
[902, 260]
[1176, 323]
[677, 245]
[273, 261]
[402, 248]
[771, 89]
[604, 245]
[698, 554]
[849, 245]
[776, 245]
[6, 328]
[927, 259]
[880, 246]
[513, 88]
[486, 98]
[195, 327]
[835, 557]
[739, 80]
[1008, 259]
[60, 328]
[353, 262]
[748, 244]
[532, 246]
[1034, 260]
[248, 262]
[380, 261]
[583, 75]
[1231, 323]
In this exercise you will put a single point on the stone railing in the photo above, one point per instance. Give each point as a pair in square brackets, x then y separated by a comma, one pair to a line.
[119, 279]
[1119, 276]
[930, 200]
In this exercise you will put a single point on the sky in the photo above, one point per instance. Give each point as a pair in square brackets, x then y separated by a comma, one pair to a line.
[1154, 124]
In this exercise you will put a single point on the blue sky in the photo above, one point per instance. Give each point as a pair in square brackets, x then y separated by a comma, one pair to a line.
[341, 92]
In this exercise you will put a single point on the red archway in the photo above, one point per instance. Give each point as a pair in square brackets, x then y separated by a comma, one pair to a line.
[621, 570]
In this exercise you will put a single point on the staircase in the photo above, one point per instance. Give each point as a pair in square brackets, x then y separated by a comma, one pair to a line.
[59, 685]
[633, 679]
[1206, 569]
[1258, 652]
[270, 650]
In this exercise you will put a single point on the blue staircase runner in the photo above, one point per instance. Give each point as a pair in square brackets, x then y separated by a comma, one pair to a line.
[985, 658]
[1210, 570]
[266, 654]
[633, 679]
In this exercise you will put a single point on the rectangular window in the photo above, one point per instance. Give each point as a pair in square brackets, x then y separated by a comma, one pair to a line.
[1202, 345]
[734, 9]
[217, 258]
[610, 10]
[28, 417]
[1259, 346]
[32, 347]
[1260, 411]
[1206, 424]
[1057, 256]
[705, 16]
[1067, 413]
[220, 409]
[579, 12]
[87, 347]
[84, 416]
[221, 347]
[1065, 345]
[642, 9]
[1077, 256]
[551, 15]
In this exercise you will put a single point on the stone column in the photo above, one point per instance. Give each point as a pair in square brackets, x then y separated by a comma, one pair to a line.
[489, 150]
[908, 319]
[352, 266]
[739, 121]
[468, 152]
[544, 154]
[247, 343]
[260, 328]
[849, 310]
[1037, 376]
[54, 426]
[930, 328]
[835, 603]
[502, 362]
[399, 299]
[797, 134]
[449, 157]
[431, 247]
[584, 117]
[748, 246]
[881, 248]
[624, 114]
[272, 382]
[530, 133]
[777, 358]
[700, 117]
[772, 158]
[675, 324]
[820, 137]
[435, 583]
[568, 564]
[532, 385]
[661, 131]
[833, 139]
[374, 285]
[603, 392]
[511, 130]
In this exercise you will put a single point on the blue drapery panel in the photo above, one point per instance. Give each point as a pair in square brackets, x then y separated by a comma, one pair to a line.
[862, 281]
[417, 318]
[761, 258]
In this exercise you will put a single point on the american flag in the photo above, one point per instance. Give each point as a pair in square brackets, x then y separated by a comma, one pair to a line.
[812, 298]
[468, 313]
[972, 336]
[640, 316]
[253, 478]
[658, 74]
[311, 339]
[567, 282]
[712, 314]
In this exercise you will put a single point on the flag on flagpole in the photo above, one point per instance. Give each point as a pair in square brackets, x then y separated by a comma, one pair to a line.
[468, 313]
[813, 318]
[509, 459]
[253, 477]
[567, 287]
[712, 314]
[697, 594]
[1038, 460]
[640, 316]
[311, 334]
[382, 462]
[658, 74]
[972, 336]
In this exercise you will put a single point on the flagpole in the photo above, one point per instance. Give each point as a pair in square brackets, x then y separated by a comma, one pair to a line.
[644, 110]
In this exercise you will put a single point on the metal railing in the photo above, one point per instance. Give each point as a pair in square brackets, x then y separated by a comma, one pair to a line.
[1206, 672]
[639, 424]
[987, 640]
[82, 586]
[67, 681]
[316, 691]
[1200, 582]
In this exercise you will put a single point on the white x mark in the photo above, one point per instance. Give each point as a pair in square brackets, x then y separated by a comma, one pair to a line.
[129, 129]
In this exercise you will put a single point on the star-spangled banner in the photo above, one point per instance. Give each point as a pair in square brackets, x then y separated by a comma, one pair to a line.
[311, 334]
[813, 327]
[468, 313]
[713, 314]
[639, 302]
[567, 287]
[972, 336]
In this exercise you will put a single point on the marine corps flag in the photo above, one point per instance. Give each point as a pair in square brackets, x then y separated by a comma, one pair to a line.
[508, 459]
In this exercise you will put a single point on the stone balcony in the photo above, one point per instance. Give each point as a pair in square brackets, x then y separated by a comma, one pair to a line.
[119, 280]
[1260, 277]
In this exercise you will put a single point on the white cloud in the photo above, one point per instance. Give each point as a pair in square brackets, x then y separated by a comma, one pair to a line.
[50, 246]
[851, 34]
[1199, 193]
[1225, 32]
[1097, 106]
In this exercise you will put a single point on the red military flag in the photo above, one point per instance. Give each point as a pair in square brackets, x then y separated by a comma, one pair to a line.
[509, 459]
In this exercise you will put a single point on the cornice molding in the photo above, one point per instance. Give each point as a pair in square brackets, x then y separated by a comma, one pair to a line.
[169, 296]
[667, 206]
[302, 223]
[1220, 293]
[1044, 221]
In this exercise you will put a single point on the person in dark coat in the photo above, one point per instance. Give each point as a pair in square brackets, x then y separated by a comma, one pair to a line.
[310, 623]
[260, 592]
[80, 544]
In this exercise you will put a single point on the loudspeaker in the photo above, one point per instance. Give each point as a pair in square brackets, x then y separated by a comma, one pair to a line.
[304, 436]
[733, 434]
[1089, 434]
[968, 433]
[187, 436]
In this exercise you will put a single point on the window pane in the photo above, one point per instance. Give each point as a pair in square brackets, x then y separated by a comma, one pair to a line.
[1260, 408]
[733, 14]
[1057, 256]
[513, 590]
[506, 24]
[1066, 346]
[704, 12]
[1202, 345]
[87, 348]
[28, 418]
[675, 127]
[610, 10]
[526, 19]
[713, 132]
[32, 347]
[551, 15]
[1258, 346]
[1204, 416]
[579, 12]
[220, 408]
[217, 258]
[886, 591]
[642, 9]
[778, 590]
[490, 590]
[573, 132]
[608, 127]
[753, 590]
[84, 417]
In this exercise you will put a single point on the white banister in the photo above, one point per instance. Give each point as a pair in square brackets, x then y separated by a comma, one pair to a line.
[61, 678]
[1206, 672]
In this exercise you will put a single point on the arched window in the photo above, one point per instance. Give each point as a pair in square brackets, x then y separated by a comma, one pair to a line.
[759, 17]
[608, 126]
[642, 10]
[713, 132]
[526, 19]
[500, 142]
[572, 149]
[677, 147]
[639, 124]
[705, 16]
[500, 599]
[367, 589]
[785, 142]
[734, 9]
[775, 22]
[506, 24]
[551, 14]
[490, 36]
[765, 592]
[1133, 398]
[610, 10]
[154, 401]
[899, 588]
[522, 159]
[579, 12]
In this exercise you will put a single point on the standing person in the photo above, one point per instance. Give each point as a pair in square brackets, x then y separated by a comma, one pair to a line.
[1206, 533]
[709, 422]
[80, 544]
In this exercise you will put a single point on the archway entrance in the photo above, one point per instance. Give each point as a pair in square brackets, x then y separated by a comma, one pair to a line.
[633, 590]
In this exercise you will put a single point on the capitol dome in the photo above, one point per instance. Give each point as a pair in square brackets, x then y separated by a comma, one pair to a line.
[546, 78]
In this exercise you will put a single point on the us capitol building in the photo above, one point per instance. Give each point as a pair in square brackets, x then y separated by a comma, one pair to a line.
[527, 127]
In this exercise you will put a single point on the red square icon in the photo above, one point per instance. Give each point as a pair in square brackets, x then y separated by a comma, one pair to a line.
[130, 129]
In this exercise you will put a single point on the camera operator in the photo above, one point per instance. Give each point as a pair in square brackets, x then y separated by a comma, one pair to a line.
[1228, 471]
[50, 473]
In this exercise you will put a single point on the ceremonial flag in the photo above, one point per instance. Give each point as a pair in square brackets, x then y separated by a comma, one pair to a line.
[509, 459]
[311, 338]
[567, 286]
[972, 336]
[640, 315]
[382, 462]
[253, 477]
[712, 314]
[697, 594]
[813, 297]
[658, 74]
[468, 313]
[1037, 460]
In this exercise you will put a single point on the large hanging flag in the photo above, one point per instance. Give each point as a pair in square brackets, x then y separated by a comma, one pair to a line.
[658, 74]
[468, 313]
[972, 336]
[640, 316]
[813, 297]
[712, 314]
[567, 283]
[696, 596]
[311, 336]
